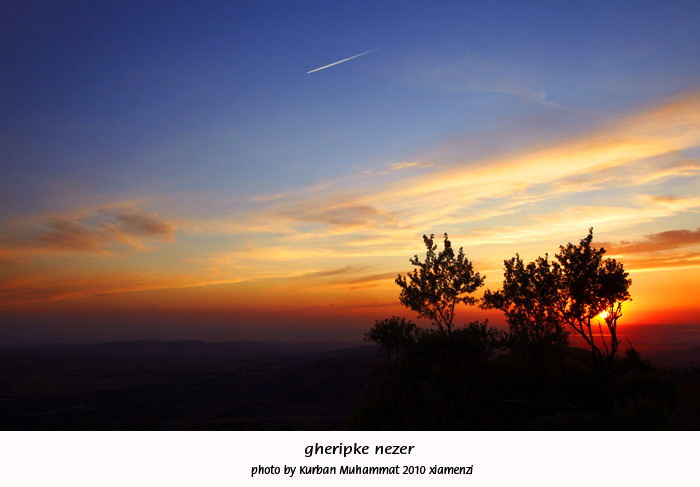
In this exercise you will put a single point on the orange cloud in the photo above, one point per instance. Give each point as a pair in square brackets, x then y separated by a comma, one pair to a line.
[407, 165]
[95, 232]
[43, 287]
[141, 224]
[339, 213]
[663, 262]
[628, 156]
[348, 234]
[656, 242]
[329, 272]
[659, 251]
[68, 235]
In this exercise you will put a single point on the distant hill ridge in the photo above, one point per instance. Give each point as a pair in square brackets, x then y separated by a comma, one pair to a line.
[677, 358]
[196, 347]
[666, 358]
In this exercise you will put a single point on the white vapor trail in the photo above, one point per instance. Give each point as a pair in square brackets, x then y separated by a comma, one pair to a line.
[338, 62]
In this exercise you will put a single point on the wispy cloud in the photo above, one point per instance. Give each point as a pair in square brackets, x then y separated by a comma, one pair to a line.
[656, 242]
[330, 272]
[662, 261]
[67, 235]
[663, 250]
[41, 287]
[349, 233]
[270, 197]
[339, 212]
[471, 73]
[142, 224]
[406, 165]
[95, 231]
[370, 281]
[608, 179]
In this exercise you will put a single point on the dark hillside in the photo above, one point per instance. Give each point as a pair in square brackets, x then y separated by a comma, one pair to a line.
[182, 385]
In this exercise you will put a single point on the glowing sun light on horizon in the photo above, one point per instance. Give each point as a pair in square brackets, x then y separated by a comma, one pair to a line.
[603, 314]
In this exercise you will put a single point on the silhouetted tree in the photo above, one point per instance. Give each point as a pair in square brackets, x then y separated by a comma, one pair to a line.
[541, 298]
[439, 284]
[529, 300]
[587, 285]
[437, 379]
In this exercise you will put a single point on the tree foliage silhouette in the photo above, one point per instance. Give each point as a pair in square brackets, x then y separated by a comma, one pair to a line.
[439, 284]
[589, 285]
[543, 298]
[529, 301]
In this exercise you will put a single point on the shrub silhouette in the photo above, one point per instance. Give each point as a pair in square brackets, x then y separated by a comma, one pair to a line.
[394, 337]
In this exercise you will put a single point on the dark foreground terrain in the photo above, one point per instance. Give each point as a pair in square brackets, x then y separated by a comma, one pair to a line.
[193, 385]
[185, 385]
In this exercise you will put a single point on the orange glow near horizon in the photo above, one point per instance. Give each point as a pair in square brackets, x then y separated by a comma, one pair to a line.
[330, 251]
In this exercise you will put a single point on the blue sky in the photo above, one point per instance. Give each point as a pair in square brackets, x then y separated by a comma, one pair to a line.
[152, 145]
[111, 96]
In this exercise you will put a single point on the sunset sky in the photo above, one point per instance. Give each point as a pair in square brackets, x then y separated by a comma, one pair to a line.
[173, 170]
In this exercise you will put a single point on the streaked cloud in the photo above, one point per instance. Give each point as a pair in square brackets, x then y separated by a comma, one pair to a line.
[352, 232]
[663, 261]
[664, 250]
[656, 242]
[141, 224]
[270, 197]
[43, 287]
[341, 213]
[472, 73]
[330, 272]
[609, 178]
[68, 235]
[406, 165]
[626, 155]
[95, 231]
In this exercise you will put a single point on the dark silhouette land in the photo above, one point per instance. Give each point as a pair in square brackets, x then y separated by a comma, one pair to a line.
[224, 386]
[183, 385]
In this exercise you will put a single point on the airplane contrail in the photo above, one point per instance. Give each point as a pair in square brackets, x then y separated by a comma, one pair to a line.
[348, 59]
